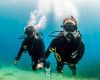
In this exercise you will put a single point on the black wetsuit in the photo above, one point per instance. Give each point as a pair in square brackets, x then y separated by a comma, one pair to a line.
[65, 50]
[35, 48]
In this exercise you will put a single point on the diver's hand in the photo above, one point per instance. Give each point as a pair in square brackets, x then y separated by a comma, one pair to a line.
[40, 65]
[42, 60]
[16, 62]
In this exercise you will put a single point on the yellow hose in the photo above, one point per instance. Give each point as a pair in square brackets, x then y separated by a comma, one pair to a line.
[56, 54]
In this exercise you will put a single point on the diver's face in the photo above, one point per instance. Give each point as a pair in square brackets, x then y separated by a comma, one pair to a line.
[69, 27]
[29, 30]
[29, 33]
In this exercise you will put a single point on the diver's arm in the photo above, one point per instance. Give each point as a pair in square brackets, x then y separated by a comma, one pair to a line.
[47, 53]
[20, 51]
[48, 50]
[81, 50]
[18, 55]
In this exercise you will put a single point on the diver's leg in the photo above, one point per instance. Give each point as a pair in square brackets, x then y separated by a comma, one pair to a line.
[73, 68]
[60, 66]
[34, 63]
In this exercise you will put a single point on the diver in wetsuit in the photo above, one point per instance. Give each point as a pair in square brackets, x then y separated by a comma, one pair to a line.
[34, 45]
[68, 46]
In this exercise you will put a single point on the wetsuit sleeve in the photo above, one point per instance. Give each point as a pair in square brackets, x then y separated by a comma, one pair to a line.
[48, 49]
[21, 50]
[47, 53]
[81, 50]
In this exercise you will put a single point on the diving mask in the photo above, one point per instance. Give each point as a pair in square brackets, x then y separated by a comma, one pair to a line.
[69, 27]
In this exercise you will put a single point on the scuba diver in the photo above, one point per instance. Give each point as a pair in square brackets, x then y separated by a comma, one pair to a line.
[34, 45]
[67, 46]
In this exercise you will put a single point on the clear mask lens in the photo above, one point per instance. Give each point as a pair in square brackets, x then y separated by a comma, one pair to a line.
[69, 27]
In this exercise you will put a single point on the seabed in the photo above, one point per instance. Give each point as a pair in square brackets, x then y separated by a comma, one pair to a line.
[14, 73]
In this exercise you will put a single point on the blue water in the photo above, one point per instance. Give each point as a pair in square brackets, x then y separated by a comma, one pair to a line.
[13, 19]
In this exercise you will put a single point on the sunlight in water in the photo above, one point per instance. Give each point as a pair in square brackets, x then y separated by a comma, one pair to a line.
[60, 8]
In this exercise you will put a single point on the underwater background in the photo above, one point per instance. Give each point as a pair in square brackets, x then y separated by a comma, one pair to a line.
[15, 15]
